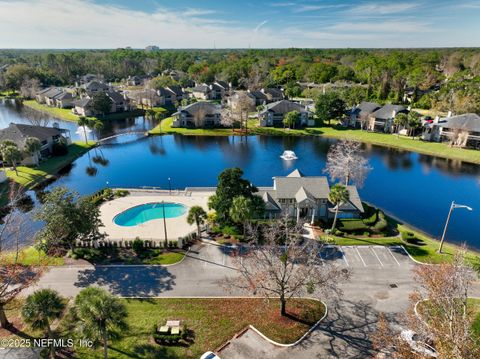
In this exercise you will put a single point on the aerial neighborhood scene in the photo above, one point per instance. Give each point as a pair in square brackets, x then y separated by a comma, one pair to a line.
[219, 179]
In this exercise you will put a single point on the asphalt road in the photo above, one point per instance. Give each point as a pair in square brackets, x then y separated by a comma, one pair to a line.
[381, 281]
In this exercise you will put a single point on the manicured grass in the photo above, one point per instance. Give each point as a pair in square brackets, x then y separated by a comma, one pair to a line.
[60, 113]
[29, 177]
[164, 258]
[67, 115]
[32, 256]
[425, 252]
[213, 322]
[165, 127]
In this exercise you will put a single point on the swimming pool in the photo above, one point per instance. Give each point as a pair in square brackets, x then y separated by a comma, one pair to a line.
[147, 212]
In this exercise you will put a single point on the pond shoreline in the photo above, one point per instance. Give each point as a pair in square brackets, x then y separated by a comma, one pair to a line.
[416, 145]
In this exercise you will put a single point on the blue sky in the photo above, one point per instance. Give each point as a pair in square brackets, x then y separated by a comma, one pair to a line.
[238, 24]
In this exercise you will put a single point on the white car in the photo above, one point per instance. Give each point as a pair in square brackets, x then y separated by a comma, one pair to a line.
[209, 355]
[418, 346]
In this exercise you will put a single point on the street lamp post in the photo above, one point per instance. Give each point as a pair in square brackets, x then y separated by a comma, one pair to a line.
[165, 225]
[452, 207]
[169, 186]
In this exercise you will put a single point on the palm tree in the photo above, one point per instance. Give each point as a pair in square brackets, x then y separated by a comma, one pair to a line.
[241, 211]
[338, 194]
[11, 154]
[197, 215]
[32, 146]
[40, 309]
[83, 121]
[100, 316]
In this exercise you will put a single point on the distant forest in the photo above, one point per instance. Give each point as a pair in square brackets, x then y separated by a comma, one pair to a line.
[443, 79]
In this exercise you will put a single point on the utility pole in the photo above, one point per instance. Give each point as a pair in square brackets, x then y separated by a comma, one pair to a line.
[452, 207]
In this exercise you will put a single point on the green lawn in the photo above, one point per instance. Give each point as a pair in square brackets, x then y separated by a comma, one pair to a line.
[29, 177]
[165, 127]
[60, 113]
[425, 252]
[32, 256]
[213, 322]
[67, 115]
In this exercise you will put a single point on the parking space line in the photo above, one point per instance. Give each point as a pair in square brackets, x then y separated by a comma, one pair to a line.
[344, 257]
[390, 251]
[360, 257]
[376, 255]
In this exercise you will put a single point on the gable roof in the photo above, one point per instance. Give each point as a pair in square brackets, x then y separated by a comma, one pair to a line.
[64, 96]
[270, 203]
[386, 112]
[201, 88]
[303, 195]
[287, 187]
[209, 108]
[467, 122]
[176, 89]
[365, 108]
[295, 173]
[222, 84]
[259, 95]
[283, 106]
[273, 92]
[18, 133]
[115, 96]
[83, 102]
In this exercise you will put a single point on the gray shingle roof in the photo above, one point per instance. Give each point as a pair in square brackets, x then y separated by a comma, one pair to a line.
[283, 106]
[295, 173]
[207, 107]
[18, 133]
[83, 102]
[386, 112]
[365, 108]
[115, 96]
[468, 122]
[273, 92]
[287, 187]
[259, 95]
[303, 195]
[176, 89]
[201, 88]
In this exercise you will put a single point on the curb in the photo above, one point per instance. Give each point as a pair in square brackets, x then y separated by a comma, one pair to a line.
[87, 266]
[264, 337]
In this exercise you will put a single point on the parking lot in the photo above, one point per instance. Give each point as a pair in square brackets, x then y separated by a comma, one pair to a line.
[366, 256]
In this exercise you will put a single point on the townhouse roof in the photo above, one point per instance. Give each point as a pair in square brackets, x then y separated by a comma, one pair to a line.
[467, 122]
[386, 112]
[18, 133]
[283, 106]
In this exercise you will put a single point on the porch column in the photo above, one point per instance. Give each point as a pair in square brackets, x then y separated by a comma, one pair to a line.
[313, 216]
[298, 213]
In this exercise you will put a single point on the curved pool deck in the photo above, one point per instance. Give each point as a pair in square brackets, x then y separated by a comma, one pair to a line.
[152, 229]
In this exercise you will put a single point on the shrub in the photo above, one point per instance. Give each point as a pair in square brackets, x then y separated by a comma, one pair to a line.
[371, 219]
[381, 224]
[88, 254]
[137, 245]
[120, 193]
[352, 225]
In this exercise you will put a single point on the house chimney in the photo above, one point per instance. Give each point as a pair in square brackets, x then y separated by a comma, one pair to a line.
[449, 114]
[394, 113]
[436, 119]
[409, 108]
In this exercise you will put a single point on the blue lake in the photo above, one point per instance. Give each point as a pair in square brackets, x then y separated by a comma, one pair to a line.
[417, 189]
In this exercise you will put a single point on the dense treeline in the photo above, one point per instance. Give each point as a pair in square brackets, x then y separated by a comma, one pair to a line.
[385, 74]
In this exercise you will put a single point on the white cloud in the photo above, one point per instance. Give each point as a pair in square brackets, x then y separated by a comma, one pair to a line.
[383, 9]
[396, 26]
[307, 8]
[85, 24]
[198, 12]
